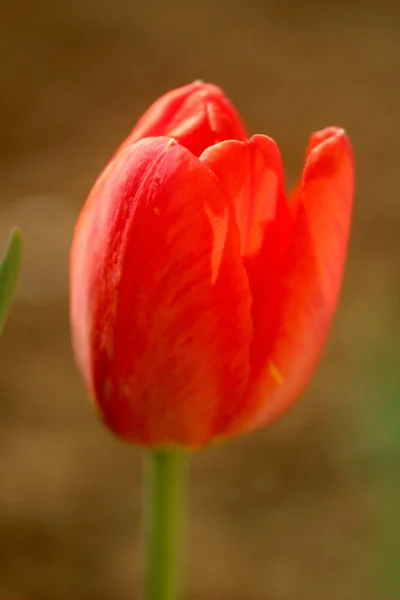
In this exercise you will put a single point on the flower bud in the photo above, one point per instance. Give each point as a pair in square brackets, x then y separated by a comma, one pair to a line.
[201, 296]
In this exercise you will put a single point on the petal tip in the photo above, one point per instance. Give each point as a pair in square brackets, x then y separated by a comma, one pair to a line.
[328, 135]
[331, 143]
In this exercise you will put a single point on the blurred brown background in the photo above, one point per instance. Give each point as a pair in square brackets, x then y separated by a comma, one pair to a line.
[287, 513]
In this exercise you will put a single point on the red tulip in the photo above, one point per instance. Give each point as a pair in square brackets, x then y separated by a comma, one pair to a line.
[200, 296]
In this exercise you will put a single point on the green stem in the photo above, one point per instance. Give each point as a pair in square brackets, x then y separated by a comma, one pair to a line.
[163, 535]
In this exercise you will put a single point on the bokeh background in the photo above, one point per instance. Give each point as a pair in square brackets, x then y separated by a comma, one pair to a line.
[291, 512]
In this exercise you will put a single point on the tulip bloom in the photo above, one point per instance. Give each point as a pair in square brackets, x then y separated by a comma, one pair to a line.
[201, 295]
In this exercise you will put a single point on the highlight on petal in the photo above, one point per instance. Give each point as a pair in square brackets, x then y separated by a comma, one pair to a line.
[196, 115]
[251, 175]
[296, 317]
[160, 304]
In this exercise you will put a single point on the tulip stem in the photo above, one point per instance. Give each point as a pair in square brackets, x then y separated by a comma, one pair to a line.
[163, 524]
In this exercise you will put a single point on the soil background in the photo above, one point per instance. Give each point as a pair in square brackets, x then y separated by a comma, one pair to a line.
[287, 513]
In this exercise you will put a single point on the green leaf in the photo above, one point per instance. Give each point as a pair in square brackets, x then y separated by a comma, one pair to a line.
[9, 272]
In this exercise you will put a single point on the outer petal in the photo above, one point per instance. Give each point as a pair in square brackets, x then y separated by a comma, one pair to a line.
[196, 115]
[296, 318]
[160, 306]
[251, 175]
[315, 140]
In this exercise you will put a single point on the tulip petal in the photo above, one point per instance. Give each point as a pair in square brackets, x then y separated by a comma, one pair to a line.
[160, 304]
[315, 140]
[296, 318]
[196, 115]
[251, 174]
